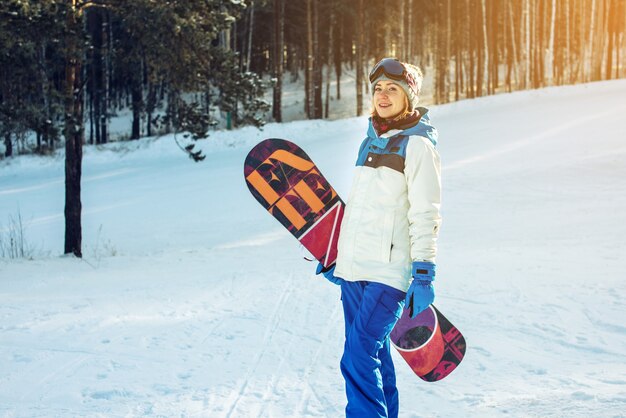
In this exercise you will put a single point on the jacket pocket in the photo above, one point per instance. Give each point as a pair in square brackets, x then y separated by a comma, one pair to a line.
[387, 238]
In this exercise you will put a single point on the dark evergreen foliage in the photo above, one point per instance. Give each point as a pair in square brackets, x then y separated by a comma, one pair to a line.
[133, 55]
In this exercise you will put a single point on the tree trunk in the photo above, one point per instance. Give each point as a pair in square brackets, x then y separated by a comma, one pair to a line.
[251, 30]
[45, 94]
[483, 63]
[308, 82]
[359, 57]
[330, 59]
[338, 60]
[568, 52]
[611, 34]
[448, 49]
[533, 44]
[8, 145]
[513, 61]
[471, 82]
[457, 63]
[550, 51]
[409, 33]
[90, 113]
[338, 49]
[619, 23]
[592, 27]
[317, 65]
[537, 42]
[494, 50]
[442, 50]
[137, 101]
[95, 25]
[107, 44]
[73, 134]
[403, 41]
[151, 105]
[484, 74]
[578, 71]
[526, 57]
[601, 46]
[278, 59]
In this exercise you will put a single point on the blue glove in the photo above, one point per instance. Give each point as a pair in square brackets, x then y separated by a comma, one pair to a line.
[329, 273]
[421, 292]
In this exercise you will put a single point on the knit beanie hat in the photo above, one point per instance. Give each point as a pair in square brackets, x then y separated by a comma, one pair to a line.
[411, 83]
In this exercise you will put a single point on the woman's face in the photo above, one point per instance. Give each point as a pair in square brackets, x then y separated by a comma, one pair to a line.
[389, 99]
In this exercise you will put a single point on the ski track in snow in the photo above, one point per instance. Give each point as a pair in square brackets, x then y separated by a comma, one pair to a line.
[308, 390]
[277, 315]
[192, 302]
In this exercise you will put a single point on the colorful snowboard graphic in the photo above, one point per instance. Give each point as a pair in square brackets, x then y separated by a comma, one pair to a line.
[429, 343]
[284, 180]
[289, 186]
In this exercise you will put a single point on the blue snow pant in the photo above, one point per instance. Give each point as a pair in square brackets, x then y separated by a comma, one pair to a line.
[370, 310]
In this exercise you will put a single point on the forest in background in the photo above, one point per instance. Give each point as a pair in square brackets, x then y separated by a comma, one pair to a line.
[190, 65]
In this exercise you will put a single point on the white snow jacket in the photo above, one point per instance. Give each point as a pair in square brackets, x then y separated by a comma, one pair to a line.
[392, 213]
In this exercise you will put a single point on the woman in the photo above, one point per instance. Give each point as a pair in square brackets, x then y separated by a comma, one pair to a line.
[387, 246]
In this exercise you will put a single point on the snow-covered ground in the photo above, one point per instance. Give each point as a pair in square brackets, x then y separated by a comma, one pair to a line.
[192, 301]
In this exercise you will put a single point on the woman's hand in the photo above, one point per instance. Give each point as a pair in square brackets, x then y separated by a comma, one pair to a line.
[421, 292]
[329, 273]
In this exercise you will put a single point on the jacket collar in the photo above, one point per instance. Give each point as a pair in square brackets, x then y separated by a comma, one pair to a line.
[422, 128]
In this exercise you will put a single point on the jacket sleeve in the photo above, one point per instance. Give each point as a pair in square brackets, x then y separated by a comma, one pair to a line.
[423, 177]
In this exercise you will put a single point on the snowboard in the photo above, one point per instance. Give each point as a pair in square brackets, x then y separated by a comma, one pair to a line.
[288, 184]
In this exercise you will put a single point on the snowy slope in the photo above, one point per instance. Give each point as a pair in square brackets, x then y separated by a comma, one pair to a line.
[192, 301]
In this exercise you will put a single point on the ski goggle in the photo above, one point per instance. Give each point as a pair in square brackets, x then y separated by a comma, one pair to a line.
[395, 70]
[391, 67]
